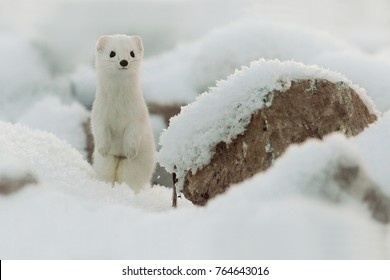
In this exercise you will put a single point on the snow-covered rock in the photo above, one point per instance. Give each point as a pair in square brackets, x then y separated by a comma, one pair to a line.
[308, 109]
[224, 112]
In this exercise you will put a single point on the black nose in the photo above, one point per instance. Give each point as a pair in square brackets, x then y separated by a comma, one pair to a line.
[123, 63]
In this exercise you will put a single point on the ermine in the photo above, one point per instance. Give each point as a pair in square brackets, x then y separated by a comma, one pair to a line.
[124, 146]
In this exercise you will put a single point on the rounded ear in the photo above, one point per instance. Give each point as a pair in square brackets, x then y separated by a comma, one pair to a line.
[138, 41]
[101, 43]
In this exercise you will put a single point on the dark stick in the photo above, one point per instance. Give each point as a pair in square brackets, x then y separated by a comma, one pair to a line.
[174, 194]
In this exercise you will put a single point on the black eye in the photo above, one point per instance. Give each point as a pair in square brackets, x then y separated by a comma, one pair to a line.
[132, 54]
[112, 54]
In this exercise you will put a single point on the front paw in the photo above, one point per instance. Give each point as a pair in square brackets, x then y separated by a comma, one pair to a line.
[104, 150]
[131, 153]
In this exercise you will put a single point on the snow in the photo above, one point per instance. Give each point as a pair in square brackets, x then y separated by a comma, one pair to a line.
[48, 113]
[274, 215]
[158, 125]
[294, 210]
[373, 147]
[367, 71]
[229, 107]
[179, 75]
[53, 160]
[61, 168]
[19, 59]
[196, 66]
[12, 168]
[78, 231]
[315, 176]
[82, 82]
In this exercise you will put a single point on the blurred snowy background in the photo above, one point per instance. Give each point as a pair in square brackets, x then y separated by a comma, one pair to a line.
[47, 83]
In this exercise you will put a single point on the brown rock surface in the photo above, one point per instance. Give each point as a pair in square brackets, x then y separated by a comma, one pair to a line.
[89, 137]
[165, 111]
[356, 182]
[11, 185]
[309, 108]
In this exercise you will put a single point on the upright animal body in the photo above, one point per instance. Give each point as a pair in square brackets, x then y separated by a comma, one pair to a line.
[124, 146]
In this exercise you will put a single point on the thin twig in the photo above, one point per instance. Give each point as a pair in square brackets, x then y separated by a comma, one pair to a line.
[174, 194]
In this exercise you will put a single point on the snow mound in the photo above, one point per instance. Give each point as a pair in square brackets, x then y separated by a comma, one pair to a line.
[64, 121]
[368, 71]
[12, 168]
[23, 76]
[191, 68]
[374, 150]
[26, 76]
[180, 75]
[304, 179]
[14, 175]
[53, 160]
[316, 176]
[83, 81]
[188, 143]
[280, 207]
[61, 168]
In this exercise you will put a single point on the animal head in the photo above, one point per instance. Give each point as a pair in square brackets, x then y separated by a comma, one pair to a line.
[118, 53]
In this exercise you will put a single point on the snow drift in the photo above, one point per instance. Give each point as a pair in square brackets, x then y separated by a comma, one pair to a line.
[278, 214]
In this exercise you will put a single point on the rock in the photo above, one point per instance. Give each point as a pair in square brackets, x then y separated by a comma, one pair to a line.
[379, 205]
[14, 173]
[308, 109]
[10, 185]
[90, 145]
[356, 182]
[166, 111]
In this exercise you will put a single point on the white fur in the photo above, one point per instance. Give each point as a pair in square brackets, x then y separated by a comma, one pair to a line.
[124, 145]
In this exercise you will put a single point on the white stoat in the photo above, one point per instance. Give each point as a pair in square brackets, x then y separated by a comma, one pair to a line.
[124, 145]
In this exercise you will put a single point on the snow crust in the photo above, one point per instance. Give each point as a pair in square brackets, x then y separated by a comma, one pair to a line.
[224, 111]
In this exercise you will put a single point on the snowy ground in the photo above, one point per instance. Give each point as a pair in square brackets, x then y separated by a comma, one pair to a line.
[47, 84]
